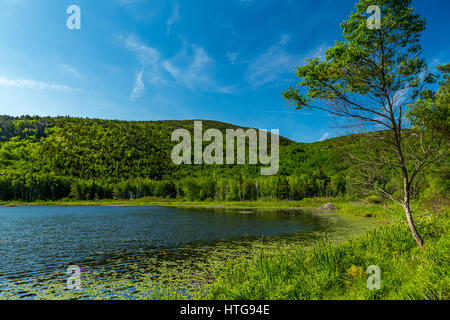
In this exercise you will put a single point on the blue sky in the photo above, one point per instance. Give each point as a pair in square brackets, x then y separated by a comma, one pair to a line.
[224, 60]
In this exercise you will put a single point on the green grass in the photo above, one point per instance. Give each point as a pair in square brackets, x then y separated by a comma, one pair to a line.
[339, 271]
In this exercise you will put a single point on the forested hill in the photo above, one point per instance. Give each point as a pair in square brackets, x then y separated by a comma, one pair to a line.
[101, 149]
[53, 158]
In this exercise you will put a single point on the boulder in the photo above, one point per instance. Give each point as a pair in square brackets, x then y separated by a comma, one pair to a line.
[327, 206]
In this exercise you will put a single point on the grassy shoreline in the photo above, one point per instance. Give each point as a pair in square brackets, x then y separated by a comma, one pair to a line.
[340, 271]
[149, 201]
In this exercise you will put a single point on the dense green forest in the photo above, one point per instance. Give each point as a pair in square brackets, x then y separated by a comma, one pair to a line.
[52, 158]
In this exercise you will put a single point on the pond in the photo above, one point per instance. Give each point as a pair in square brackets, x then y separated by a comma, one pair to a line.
[117, 247]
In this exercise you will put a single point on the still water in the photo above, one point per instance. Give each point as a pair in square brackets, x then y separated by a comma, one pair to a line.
[38, 243]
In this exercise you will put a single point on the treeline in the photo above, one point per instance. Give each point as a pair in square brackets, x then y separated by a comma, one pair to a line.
[24, 127]
[32, 187]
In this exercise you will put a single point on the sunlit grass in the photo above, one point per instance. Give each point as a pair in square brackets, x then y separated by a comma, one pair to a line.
[338, 271]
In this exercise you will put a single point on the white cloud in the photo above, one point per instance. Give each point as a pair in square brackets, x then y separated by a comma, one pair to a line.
[232, 57]
[149, 58]
[324, 136]
[139, 87]
[73, 71]
[192, 67]
[441, 58]
[174, 17]
[319, 52]
[144, 10]
[400, 97]
[277, 62]
[147, 55]
[272, 64]
[33, 84]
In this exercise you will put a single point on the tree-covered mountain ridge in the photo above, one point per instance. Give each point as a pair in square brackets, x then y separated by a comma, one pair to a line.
[58, 157]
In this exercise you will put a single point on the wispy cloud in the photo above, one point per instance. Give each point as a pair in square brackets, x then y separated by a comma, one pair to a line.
[149, 57]
[139, 87]
[442, 57]
[190, 66]
[275, 63]
[194, 68]
[319, 52]
[73, 71]
[174, 17]
[143, 10]
[272, 64]
[232, 57]
[37, 85]
[324, 136]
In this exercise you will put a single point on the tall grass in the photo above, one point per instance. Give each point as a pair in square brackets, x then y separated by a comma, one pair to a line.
[339, 271]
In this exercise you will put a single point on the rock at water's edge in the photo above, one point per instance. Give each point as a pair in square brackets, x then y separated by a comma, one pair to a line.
[327, 206]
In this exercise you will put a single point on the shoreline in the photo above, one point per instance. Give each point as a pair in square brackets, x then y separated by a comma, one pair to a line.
[161, 204]
[359, 208]
[291, 205]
